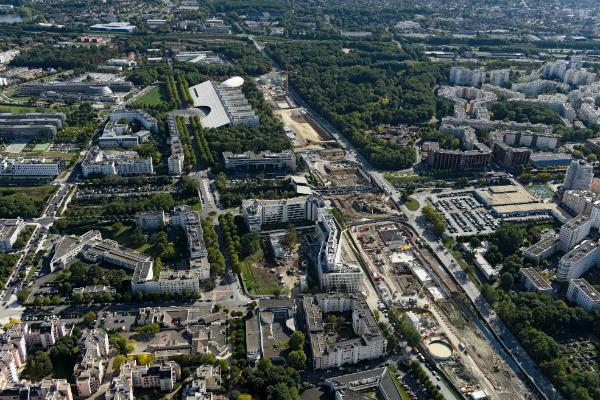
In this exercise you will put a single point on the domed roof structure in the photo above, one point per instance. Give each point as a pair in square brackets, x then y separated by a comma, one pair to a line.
[233, 82]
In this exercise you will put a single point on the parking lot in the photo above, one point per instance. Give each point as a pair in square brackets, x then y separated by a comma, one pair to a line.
[464, 214]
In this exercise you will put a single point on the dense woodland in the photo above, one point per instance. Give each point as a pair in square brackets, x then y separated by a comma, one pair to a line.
[358, 85]
[522, 111]
[83, 57]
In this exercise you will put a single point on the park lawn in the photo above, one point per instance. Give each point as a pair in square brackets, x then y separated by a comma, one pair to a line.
[154, 97]
[197, 207]
[412, 204]
[38, 193]
[123, 237]
[14, 108]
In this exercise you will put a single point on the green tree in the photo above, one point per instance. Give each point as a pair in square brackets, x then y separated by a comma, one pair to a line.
[38, 366]
[296, 341]
[89, 318]
[292, 236]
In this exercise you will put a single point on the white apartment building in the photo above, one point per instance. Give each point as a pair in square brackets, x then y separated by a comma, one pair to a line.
[583, 294]
[574, 231]
[335, 275]
[36, 166]
[143, 118]
[579, 77]
[171, 282]
[462, 76]
[499, 77]
[176, 159]
[163, 376]
[132, 167]
[578, 261]
[589, 113]
[184, 217]
[9, 233]
[580, 201]
[264, 212]
[103, 168]
[121, 388]
[579, 176]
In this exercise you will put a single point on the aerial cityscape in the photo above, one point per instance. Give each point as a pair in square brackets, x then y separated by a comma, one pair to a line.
[300, 200]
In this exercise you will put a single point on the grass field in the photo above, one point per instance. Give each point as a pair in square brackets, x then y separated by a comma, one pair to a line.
[258, 279]
[412, 204]
[123, 237]
[16, 108]
[41, 147]
[38, 193]
[155, 96]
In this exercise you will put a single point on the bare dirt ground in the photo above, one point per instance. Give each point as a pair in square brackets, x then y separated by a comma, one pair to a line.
[300, 126]
[460, 316]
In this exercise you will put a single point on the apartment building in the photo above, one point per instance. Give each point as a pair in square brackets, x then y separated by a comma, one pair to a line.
[578, 261]
[45, 333]
[543, 249]
[135, 166]
[9, 233]
[162, 376]
[510, 157]
[90, 369]
[574, 231]
[260, 161]
[176, 159]
[327, 353]
[47, 389]
[477, 158]
[534, 282]
[121, 388]
[206, 378]
[583, 294]
[580, 201]
[269, 212]
[42, 167]
[579, 176]
[335, 274]
[171, 282]
[150, 221]
[185, 218]
[462, 76]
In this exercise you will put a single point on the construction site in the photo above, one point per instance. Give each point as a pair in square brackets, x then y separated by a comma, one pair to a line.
[408, 277]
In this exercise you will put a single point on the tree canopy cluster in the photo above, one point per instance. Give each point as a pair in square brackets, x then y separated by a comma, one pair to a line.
[358, 85]
[233, 194]
[83, 57]
[215, 257]
[435, 218]
[522, 111]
